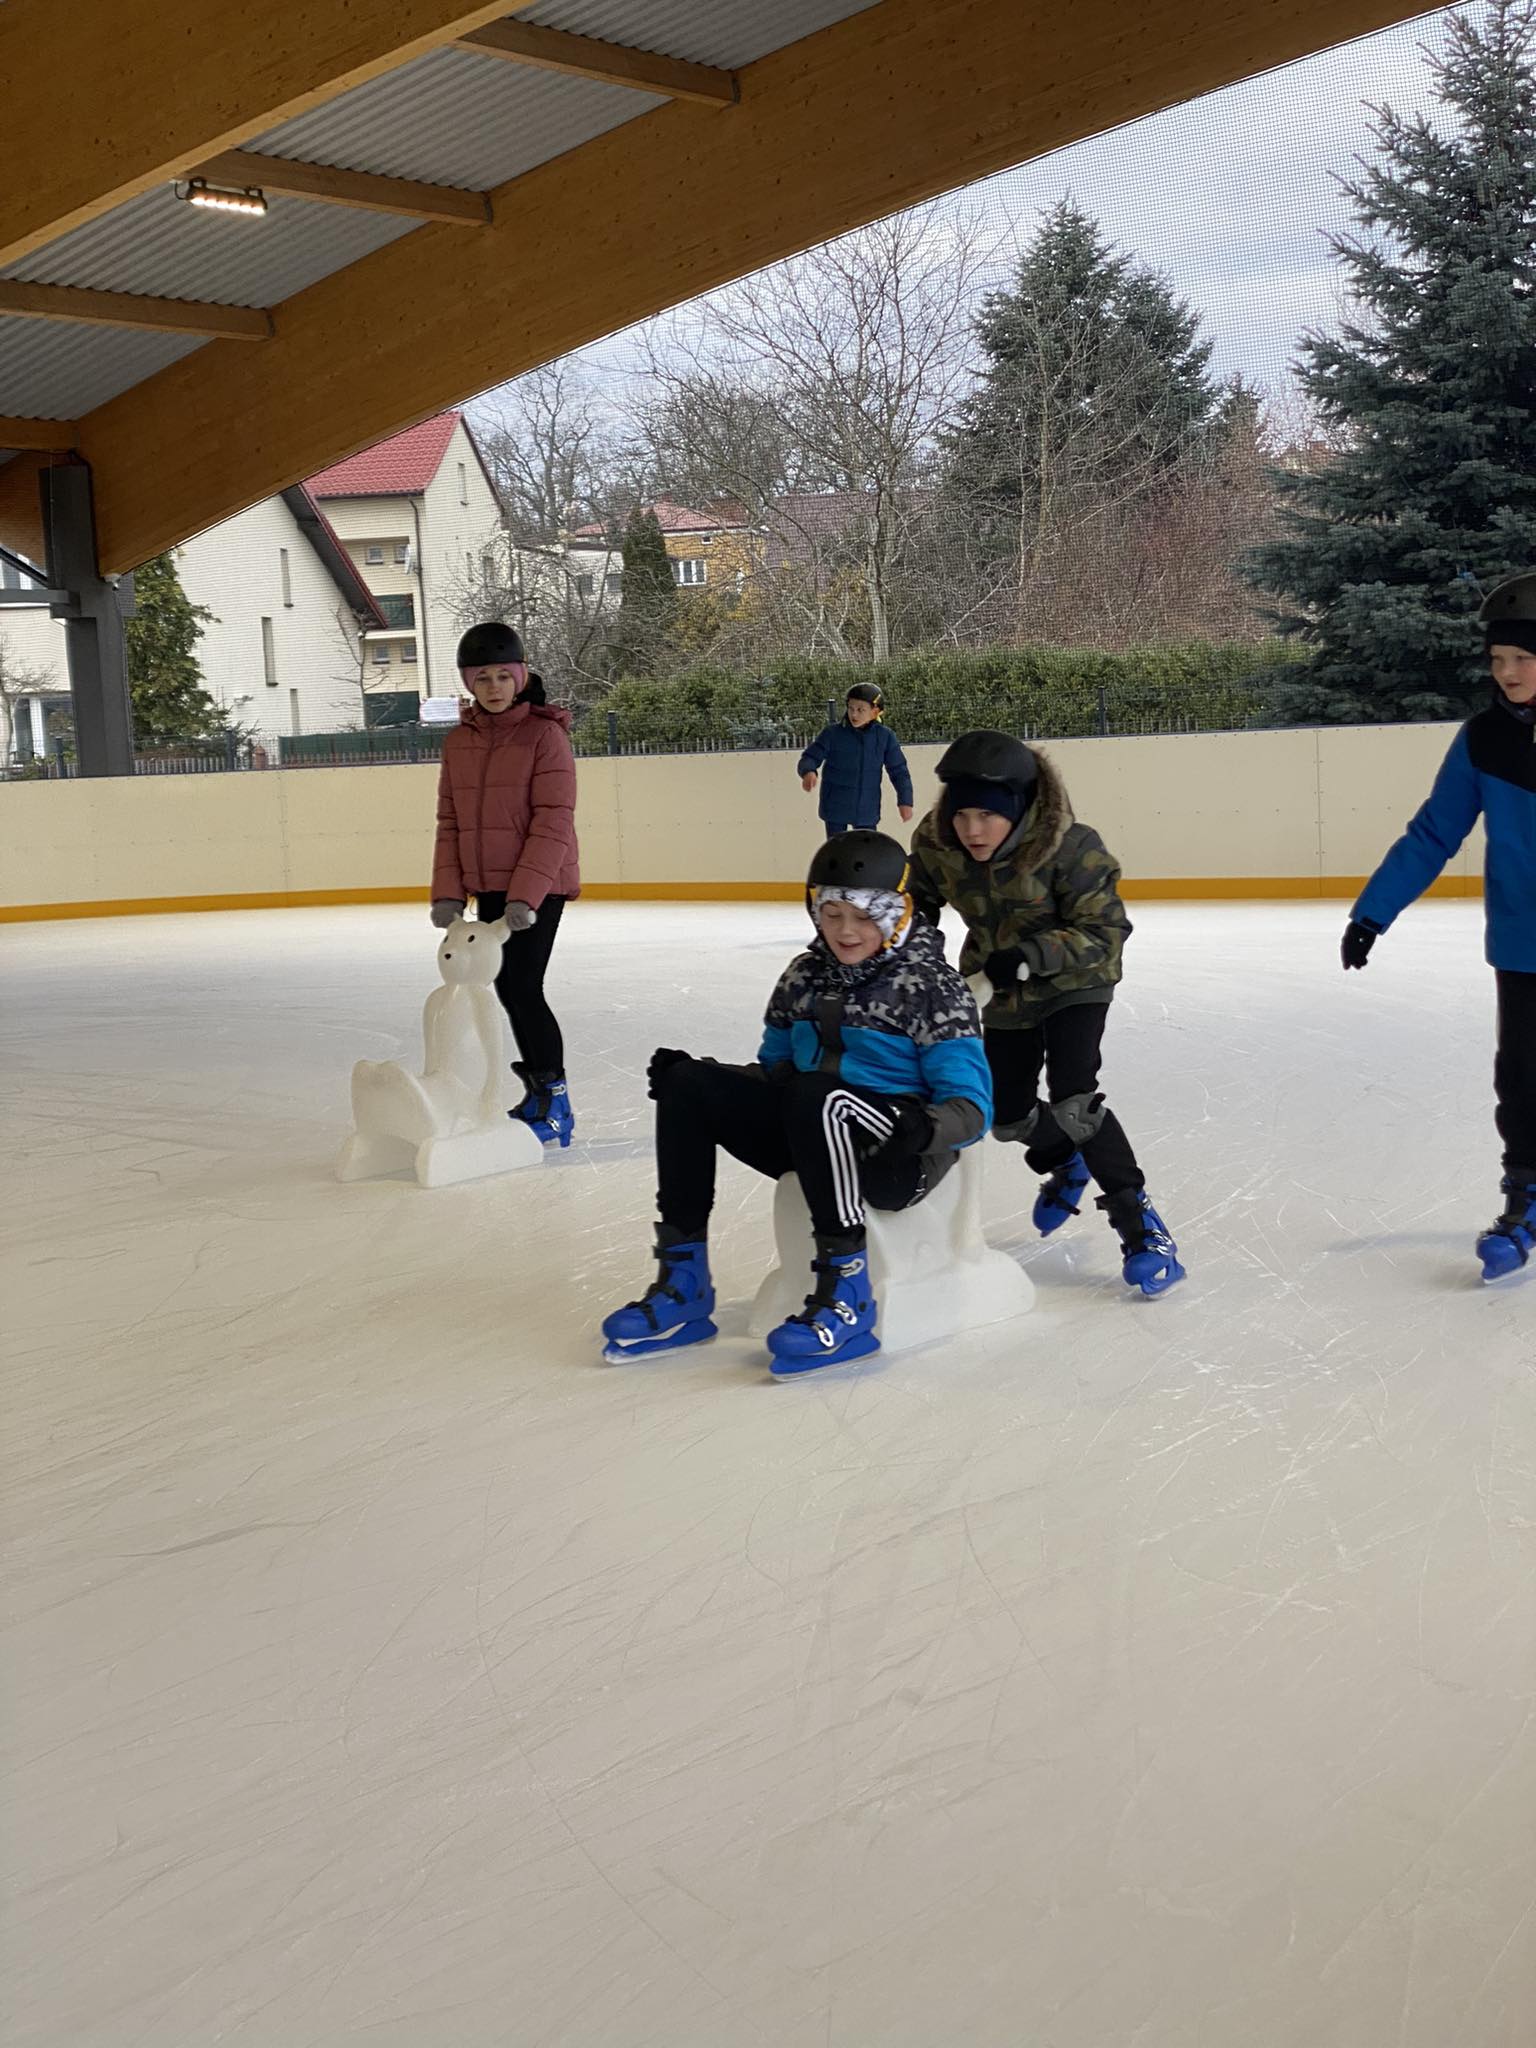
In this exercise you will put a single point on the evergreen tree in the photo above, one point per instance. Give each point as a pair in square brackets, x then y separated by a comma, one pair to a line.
[1430, 389]
[165, 681]
[1094, 392]
[648, 602]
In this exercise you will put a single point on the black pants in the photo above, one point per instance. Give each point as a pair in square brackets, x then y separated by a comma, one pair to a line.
[814, 1124]
[1067, 1047]
[1514, 1069]
[520, 984]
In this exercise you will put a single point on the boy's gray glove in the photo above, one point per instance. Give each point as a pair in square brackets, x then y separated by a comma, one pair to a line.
[519, 917]
[444, 910]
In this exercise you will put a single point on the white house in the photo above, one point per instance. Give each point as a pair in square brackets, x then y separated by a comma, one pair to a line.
[282, 652]
[420, 518]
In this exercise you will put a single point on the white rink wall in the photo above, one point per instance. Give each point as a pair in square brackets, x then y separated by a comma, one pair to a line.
[1296, 813]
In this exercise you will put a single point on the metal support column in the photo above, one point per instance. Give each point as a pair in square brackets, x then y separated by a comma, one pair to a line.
[93, 615]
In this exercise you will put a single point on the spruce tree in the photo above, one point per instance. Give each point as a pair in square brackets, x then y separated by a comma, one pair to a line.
[1094, 390]
[165, 682]
[1429, 390]
[648, 602]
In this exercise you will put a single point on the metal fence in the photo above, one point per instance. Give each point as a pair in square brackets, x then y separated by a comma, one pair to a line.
[1106, 713]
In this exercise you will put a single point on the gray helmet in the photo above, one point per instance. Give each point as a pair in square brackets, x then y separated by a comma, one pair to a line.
[1514, 598]
[986, 756]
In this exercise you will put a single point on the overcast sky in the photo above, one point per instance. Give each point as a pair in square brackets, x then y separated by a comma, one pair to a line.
[1231, 195]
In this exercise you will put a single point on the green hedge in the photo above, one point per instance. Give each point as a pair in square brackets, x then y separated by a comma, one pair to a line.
[1040, 693]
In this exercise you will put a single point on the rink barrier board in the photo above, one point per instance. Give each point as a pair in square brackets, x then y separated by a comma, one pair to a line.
[1184, 888]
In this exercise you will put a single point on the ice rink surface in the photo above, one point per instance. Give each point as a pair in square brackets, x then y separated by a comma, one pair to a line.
[382, 1669]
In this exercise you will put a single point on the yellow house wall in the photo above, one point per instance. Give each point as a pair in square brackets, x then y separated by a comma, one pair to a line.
[1229, 814]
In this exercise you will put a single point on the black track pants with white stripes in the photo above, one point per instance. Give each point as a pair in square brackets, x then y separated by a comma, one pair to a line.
[814, 1123]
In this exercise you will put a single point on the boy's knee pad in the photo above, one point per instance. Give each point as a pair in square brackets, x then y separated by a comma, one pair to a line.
[1019, 1133]
[1081, 1116]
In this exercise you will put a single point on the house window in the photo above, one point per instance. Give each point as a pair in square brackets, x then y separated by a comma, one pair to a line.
[373, 554]
[585, 585]
[469, 565]
[295, 716]
[463, 485]
[381, 654]
[613, 582]
[691, 571]
[268, 654]
[488, 566]
[287, 576]
[399, 612]
[407, 650]
[402, 553]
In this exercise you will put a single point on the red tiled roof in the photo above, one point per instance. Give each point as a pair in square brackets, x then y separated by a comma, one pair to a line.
[400, 467]
[671, 517]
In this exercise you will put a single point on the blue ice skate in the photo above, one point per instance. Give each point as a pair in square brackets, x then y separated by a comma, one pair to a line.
[1507, 1245]
[838, 1320]
[674, 1311]
[545, 1107]
[1151, 1256]
[1057, 1199]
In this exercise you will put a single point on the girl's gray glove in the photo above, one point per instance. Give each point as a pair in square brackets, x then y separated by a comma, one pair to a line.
[519, 917]
[444, 910]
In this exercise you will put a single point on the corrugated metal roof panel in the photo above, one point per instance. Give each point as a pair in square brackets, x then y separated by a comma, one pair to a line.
[53, 370]
[456, 119]
[160, 245]
[725, 32]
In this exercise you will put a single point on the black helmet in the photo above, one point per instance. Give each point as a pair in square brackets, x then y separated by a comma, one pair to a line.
[859, 860]
[485, 646]
[986, 756]
[869, 693]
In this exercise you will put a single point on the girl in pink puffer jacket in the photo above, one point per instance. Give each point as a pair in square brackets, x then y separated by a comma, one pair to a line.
[506, 835]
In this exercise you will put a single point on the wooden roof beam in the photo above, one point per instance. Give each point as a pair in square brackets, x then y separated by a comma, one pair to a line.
[556, 49]
[365, 190]
[39, 436]
[890, 106]
[127, 309]
[153, 89]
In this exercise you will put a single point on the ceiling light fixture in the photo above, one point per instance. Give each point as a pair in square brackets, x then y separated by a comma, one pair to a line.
[223, 198]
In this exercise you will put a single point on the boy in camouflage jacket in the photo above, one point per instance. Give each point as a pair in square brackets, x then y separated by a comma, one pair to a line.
[1045, 931]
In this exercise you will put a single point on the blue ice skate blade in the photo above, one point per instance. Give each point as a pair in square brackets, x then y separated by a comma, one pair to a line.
[677, 1339]
[856, 1347]
[1165, 1273]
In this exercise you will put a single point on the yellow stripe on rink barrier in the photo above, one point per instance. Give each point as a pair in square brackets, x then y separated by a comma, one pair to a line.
[1177, 889]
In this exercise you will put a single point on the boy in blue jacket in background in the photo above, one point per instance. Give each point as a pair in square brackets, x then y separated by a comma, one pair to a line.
[871, 1078]
[1489, 771]
[853, 754]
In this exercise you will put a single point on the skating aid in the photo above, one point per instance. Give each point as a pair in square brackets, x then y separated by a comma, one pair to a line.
[1057, 1199]
[1507, 1245]
[674, 1311]
[838, 1320]
[1151, 1258]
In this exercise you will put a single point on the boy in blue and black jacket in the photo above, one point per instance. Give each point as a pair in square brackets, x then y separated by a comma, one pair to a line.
[870, 1079]
[852, 756]
[1490, 772]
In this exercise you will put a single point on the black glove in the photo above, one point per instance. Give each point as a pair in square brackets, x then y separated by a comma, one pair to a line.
[911, 1135]
[1358, 941]
[663, 1060]
[1002, 968]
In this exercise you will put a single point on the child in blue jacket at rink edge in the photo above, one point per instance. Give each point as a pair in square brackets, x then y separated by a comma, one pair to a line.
[870, 1079]
[853, 755]
[1489, 771]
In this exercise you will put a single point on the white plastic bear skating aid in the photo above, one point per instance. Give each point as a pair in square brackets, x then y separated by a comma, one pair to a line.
[450, 1122]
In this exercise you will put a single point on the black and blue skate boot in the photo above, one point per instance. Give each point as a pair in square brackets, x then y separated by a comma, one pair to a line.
[838, 1320]
[1058, 1196]
[1151, 1256]
[1507, 1245]
[545, 1107]
[675, 1310]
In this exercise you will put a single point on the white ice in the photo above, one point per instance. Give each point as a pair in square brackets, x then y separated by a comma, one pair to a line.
[382, 1669]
